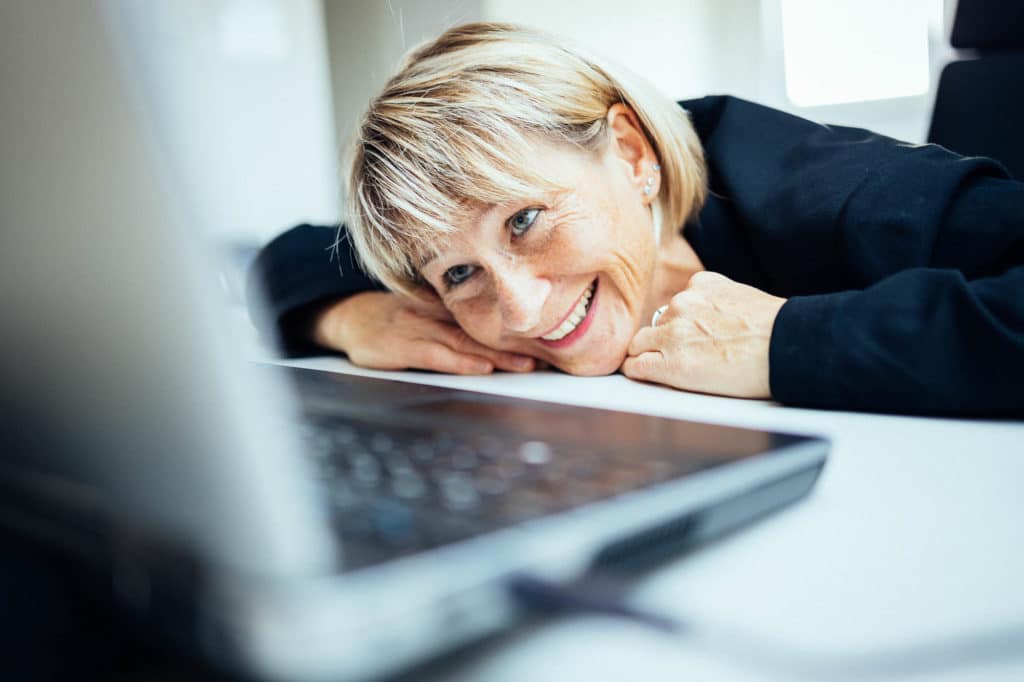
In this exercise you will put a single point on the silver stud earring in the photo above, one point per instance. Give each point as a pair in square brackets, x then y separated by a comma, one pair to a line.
[656, 167]
[649, 185]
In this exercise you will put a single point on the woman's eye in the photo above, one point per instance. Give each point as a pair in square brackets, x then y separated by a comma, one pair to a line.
[458, 274]
[521, 222]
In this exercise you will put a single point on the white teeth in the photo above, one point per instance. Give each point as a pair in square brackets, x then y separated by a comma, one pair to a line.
[574, 318]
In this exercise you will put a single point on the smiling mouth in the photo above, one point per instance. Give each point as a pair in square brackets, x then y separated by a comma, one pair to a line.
[574, 318]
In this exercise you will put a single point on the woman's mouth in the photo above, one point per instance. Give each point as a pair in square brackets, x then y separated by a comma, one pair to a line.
[576, 323]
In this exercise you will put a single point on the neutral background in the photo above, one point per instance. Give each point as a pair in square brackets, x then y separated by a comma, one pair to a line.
[255, 98]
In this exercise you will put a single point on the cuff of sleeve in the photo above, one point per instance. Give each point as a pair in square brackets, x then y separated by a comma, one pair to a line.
[293, 277]
[803, 362]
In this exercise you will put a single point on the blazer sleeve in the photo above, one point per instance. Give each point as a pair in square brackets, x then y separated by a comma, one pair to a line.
[903, 264]
[947, 338]
[294, 276]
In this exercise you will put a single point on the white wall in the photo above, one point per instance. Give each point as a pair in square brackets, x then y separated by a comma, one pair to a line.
[240, 90]
[366, 40]
[905, 118]
[254, 118]
[687, 48]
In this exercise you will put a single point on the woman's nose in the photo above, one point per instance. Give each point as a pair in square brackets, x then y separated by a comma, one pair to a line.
[521, 296]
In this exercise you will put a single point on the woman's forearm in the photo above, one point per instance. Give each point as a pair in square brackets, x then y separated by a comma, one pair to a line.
[921, 341]
[295, 278]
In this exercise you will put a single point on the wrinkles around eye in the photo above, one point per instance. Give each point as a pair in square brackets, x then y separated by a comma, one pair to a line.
[458, 274]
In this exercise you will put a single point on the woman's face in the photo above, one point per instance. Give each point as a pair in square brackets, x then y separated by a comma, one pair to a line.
[563, 278]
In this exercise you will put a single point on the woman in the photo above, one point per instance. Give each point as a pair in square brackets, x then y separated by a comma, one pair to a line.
[512, 200]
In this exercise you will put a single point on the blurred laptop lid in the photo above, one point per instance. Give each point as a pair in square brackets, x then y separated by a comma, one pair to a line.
[111, 339]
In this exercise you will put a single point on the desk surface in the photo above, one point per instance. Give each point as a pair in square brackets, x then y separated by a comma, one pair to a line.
[904, 563]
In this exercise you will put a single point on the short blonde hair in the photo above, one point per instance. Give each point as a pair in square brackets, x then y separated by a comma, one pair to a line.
[452, 130]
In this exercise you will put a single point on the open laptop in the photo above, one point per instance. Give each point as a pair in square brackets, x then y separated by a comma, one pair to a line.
[289, 524]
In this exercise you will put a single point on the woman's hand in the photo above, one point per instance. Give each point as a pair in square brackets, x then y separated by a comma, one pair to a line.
[713, 338]
[381, 330]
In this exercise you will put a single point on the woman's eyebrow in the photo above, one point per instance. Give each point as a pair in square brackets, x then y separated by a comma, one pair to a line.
[473, 218]
[483, 214]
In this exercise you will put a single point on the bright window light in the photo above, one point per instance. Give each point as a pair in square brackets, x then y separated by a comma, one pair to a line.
[855, 50]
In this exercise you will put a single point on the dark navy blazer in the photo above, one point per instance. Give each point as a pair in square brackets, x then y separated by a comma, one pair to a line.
[903, 264]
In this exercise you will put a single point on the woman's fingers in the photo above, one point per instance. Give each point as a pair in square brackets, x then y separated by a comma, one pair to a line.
[647, 339]
[668, 330]
[381, 330]
[438, 357]
[451, 335]
[646, 366]
[511, 362]
[714, 338]
[457, 339]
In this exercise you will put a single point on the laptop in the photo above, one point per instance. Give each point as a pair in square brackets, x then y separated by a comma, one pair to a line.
[285, 523]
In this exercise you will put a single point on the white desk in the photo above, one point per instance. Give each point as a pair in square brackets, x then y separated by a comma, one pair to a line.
[912, 541]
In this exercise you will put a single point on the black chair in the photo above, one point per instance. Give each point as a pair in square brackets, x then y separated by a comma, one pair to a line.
[979, 106]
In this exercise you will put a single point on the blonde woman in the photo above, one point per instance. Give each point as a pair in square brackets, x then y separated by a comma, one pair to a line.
[514, 200]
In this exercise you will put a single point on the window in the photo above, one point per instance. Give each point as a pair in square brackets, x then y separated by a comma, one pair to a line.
[856, 50]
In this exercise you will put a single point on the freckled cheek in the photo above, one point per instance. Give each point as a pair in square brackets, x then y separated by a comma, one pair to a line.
[481, 320]
[578, 249]
[634, 239]
[604, 244]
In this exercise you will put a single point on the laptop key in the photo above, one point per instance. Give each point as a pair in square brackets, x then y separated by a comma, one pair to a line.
[408, 485]
[535, 452]
[458, 491]
[365, 469]
[394, 522]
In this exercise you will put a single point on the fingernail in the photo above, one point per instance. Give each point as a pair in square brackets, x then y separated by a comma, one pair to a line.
[482, 367]
[522, 362]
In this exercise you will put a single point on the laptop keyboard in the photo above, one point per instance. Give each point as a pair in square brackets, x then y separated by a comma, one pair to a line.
[395, 491]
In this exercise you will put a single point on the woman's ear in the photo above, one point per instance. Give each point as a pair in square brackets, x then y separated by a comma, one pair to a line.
[631, 146]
